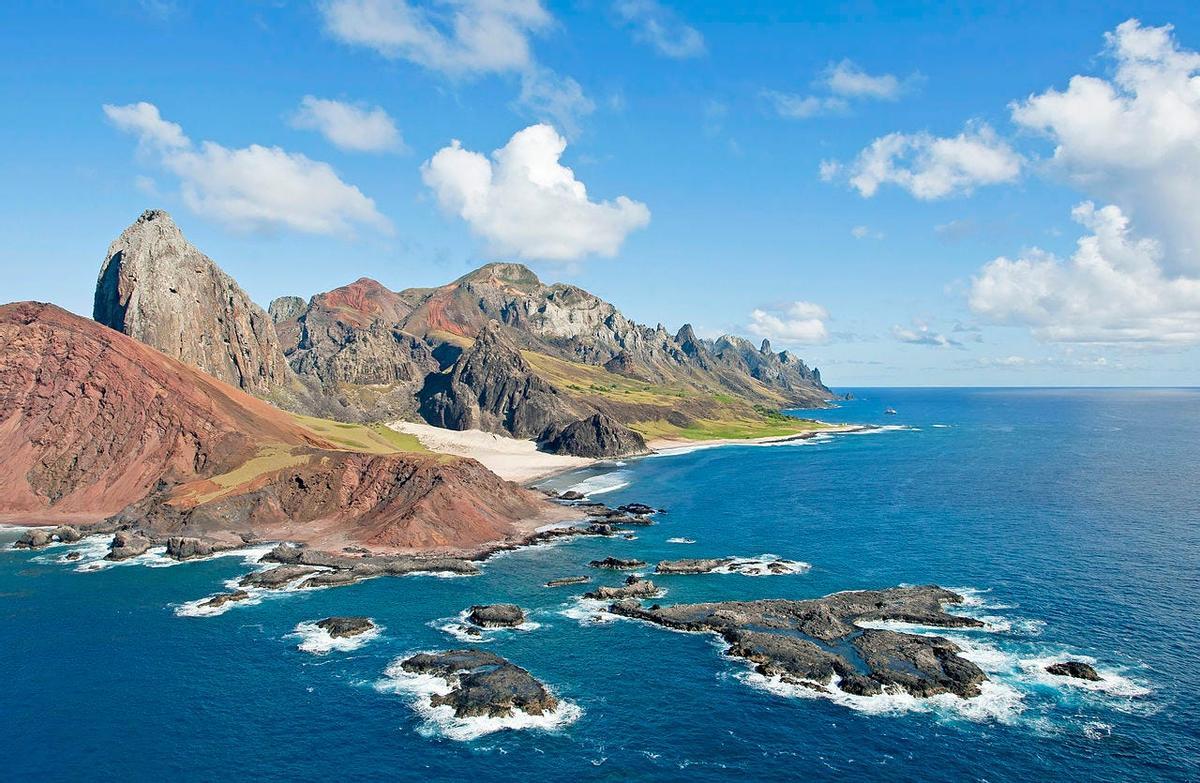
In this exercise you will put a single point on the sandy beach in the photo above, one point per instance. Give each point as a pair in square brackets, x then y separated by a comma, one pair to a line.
[509, 458]
[520, 461]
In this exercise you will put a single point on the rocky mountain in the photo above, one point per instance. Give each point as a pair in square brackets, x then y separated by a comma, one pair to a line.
[497, 349]
[491, 387]
[94, 424]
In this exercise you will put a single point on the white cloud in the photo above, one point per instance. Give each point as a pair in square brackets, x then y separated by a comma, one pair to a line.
[865, 232]
[143, 120]
[661, 28]
[548, 97]
[921, 334]
[253, 187]
[932, 167]
[799, 322]
[351, 127]
[1133, 139]
[847, 78]
[524, 202]
[800, 107]
[457, 37]
[1112, 290]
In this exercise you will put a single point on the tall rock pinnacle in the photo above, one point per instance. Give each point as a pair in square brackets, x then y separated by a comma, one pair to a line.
[157, 288]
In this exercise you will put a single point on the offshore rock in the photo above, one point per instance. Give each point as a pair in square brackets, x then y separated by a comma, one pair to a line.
[800, 642]
[345, 627]
[482, 684]
[496, 616]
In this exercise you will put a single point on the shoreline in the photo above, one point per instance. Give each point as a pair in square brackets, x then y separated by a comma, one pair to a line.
[520, 461]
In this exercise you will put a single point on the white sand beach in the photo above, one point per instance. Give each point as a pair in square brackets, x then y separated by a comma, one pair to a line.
[509, 458]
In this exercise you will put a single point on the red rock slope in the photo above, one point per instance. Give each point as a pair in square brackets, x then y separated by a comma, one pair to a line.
[93, 423]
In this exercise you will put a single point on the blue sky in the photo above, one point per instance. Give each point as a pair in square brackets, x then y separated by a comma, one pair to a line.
[839, 179]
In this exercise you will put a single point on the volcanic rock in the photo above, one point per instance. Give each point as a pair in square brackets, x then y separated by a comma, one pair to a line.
[496, 616]
[563, 581]
[127, 544]
[1077, 669]
[482, 684]
[344, 627]
[616, 563]
[634, 587]
[692, 565]
[799, 641]
[596, 436]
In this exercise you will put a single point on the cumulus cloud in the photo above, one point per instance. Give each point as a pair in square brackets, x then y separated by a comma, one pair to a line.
[848, 79]
[458, 38]
[1112, 290]
[799, 322]
[524, 202]
[921, 334]
[351, 127]
[463, 39]
[1133, 139]
[931, 167]
[661, 28]
[253, 187]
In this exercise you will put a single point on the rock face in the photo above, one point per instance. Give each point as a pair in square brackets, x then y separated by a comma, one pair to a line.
[349, 342]
[94, 424]
[345, 627]
[491, 387]
[803, 642]
[597, 436]
[563, 581]
[157, 288]
[1077, 669]
[91, 420]
[496, 616]
[275, 578]
[482, 684]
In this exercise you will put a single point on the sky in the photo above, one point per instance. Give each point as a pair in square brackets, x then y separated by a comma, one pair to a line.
[947, 194]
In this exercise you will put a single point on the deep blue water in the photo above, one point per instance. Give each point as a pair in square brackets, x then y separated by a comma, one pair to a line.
[1075, 514]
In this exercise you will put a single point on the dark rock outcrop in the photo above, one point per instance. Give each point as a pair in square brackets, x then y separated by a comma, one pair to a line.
[127, 544]
[617, 564]
[35, 538]
[1077, 669]
[482, 684]
[275, 578]
[491, 387]
[692, 565]
[563, 581]
[634, 587]
[496, 616]
[597, 436]
[803, 642]
[221, 599]
[188, 547]
[345, 627]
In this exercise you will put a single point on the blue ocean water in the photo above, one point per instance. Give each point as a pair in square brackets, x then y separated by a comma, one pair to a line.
[1071, 516]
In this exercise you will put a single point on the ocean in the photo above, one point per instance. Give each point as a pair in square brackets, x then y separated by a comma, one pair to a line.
[1069, 517]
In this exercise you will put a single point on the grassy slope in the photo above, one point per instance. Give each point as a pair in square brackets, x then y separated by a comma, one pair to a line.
[713, 414]
[366, 438]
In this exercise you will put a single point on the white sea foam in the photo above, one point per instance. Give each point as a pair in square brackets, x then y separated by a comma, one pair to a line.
[761, 566]
[941, 426]
[997, 702]
[257, 595]
[602, 484]
[441, 721]
[460, 628]
[318, 641]
[588, 611]
[680, 540]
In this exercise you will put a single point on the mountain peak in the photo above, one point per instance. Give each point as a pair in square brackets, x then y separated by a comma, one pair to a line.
[505, 274]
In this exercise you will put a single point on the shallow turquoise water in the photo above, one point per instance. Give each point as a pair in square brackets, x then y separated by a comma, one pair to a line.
[1072, 515]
